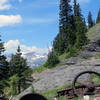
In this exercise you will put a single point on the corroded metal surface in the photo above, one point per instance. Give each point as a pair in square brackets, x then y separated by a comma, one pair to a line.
[88, 88]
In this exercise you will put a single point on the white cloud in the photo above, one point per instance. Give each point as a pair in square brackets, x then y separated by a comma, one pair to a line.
[6, 20]
[4, 4]
[26, 49]
[12, 45]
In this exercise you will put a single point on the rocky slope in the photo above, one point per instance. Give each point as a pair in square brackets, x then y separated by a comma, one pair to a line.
[61, 75]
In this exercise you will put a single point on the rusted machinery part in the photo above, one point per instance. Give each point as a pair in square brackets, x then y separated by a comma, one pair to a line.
[68, 92]
[86, 85]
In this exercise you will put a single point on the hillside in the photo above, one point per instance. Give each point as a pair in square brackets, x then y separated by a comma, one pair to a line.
[94, 33]
[88, 59]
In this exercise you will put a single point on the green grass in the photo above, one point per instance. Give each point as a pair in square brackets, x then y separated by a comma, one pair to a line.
[37, 80]
[39, 69]
[73, 53]
[97, 56]
[96, 79]
[69, 55]
[62, 57]
[95, 30]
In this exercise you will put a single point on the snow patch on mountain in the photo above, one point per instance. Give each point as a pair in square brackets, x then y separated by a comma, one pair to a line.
[33, 59]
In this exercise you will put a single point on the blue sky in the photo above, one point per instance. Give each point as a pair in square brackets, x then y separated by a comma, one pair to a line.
[33, 24]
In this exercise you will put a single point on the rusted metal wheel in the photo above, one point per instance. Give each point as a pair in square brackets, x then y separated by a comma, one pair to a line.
[89, 83]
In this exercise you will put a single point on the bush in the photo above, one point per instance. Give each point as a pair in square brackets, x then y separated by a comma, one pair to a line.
[52, 60]
[12, 89]
[73, 53]
[40, 69]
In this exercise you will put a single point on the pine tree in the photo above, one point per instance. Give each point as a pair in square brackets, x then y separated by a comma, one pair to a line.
[80, 27]
[59, 44]
[75, 8]
[90, 20]
[52, 59]
[12, 66]
[19, 67]
[98, 17]
[62, 40]
[4, 69]
[13, 80]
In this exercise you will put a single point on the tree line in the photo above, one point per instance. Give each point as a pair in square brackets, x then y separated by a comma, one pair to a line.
[72, 31]
[14, 74]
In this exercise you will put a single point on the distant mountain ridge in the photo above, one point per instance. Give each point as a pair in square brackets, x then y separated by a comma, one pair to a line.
[33, 59]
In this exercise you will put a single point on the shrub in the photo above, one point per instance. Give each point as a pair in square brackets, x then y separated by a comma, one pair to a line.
[52, 60]
[73, 53]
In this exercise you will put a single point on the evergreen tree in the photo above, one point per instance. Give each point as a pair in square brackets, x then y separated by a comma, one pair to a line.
[59, 44]
[75, 8]
[12, 66]
[4, 69]
[62, 40]
[12, 85]
[90, 20]
[19, 67]
[80, 27]
[98, 17]
[71, 36]
[52, 59]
